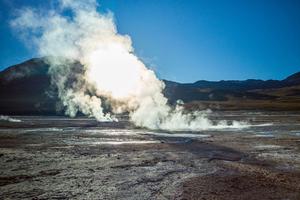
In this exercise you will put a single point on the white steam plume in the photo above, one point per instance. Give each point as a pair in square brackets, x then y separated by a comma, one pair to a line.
[9, 119]
[110, 74]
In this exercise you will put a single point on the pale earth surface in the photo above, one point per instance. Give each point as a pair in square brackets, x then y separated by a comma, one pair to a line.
[63, 158]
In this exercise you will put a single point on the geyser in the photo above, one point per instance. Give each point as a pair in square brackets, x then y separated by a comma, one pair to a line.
[112, 74]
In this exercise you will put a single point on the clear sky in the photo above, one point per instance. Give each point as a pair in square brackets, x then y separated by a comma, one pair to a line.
[189, 40]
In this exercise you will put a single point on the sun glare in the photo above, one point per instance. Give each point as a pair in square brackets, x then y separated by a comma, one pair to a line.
[115, 71]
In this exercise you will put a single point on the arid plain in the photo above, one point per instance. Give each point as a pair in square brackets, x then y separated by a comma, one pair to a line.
[80, 158]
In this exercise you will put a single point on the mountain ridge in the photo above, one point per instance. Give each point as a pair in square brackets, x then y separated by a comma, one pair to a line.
[25, 89]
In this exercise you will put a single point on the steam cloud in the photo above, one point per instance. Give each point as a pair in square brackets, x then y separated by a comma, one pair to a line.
[111, 74]
[9, 119]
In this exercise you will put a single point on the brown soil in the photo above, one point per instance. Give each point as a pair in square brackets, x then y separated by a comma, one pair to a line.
[243, 186]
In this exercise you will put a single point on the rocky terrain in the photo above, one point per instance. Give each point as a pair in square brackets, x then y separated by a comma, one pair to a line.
[63, 158]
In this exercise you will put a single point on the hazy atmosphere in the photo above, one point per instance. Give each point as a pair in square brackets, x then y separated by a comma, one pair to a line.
[180, 100]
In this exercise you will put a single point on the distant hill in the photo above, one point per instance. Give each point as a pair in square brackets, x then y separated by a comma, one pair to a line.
[25, 89]
[293, 79]
[224, 90]
[251, 94]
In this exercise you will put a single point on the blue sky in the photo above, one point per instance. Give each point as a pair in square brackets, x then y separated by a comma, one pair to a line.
[189, 40]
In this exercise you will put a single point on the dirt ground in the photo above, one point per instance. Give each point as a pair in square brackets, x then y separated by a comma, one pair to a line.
[61, 158]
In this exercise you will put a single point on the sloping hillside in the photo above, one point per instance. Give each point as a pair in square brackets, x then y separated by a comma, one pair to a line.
[25, 89]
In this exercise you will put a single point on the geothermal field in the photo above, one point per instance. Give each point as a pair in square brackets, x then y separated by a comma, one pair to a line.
[80, 158]
[140, 100]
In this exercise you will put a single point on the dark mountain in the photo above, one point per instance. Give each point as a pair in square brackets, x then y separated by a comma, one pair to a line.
[223, 90]
[25, 89]
[250, 94]
[293, 79]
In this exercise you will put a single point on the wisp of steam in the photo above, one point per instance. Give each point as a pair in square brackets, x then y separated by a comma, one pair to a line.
[111, 74]
[9, 119]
